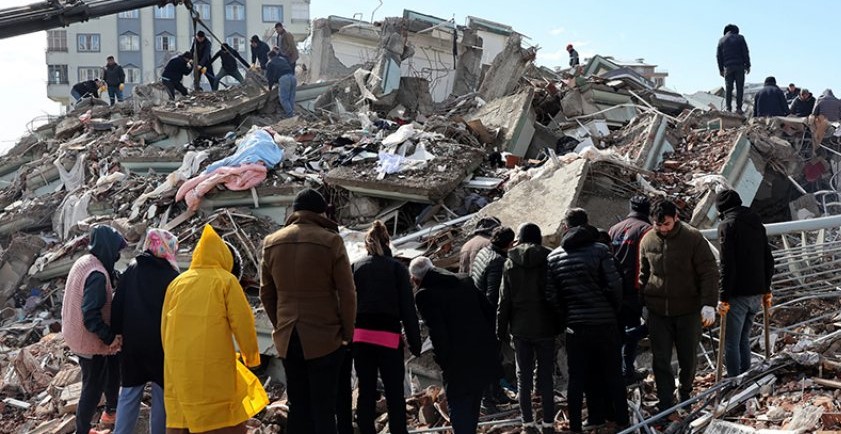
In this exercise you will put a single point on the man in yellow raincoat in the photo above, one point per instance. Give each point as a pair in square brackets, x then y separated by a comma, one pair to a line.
[205, 388]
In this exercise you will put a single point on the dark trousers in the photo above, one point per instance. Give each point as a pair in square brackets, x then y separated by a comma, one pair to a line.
[100, 374]
[633, 330]
[527, 352]
[594, 359]
[211, 78]
[464, 411]
[731, 76]
[172, 86]
[682, 333]
[344, 395]
[311, 386]
[370, 360]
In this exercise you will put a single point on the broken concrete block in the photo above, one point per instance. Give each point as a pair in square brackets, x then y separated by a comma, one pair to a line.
[68, 127]
[514, 116]
[414, 95]
[15, 263]
[507, 68]
[469, 64]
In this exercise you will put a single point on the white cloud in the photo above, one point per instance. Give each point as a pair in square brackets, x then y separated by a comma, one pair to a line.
[557, 31]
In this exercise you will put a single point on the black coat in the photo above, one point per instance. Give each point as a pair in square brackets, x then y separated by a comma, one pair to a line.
[229, 59]
[523, 310]
[87, 88]
[802, 108]
[460, 322]
[260, 53]
[747, 265]
[486, 272]
[136, 314]
[276, 68]
[201, 53]
[770, 101]
[732, 52]
[384, 298]
[582, 283]
[113, 75]
[176, 68]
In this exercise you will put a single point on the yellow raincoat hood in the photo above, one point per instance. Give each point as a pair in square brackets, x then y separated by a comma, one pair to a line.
[205, 388]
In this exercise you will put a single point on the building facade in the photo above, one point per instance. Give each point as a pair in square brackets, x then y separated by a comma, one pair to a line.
[143, 40]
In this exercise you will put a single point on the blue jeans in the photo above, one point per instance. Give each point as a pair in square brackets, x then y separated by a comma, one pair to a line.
[286, 85]
[128, 408]
[737, 339]
[76, 95]
[114, 91]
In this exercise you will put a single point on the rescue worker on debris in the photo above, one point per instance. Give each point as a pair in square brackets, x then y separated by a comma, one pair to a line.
[136, 316]
[827, 110]
[86, 89]
[279, 72]
[625, 239]
[747, 267]
[524, 314]
[384, 303]
[770, 101]
[480, 238]
[203, 308]
[86, 325]
[308, 292]
[204, 66]
[115, 78]
[259, 52]
[585, 289]
[573, 56]
[792, 92]
[678, 280]
[803, 105]
[230, 66]
[733, 63]
[286, 45]
[461, 328]
[174, 72]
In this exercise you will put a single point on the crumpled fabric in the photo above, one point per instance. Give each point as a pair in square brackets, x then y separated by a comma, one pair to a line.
[73, 178]
[257, 146]
[235, 178]
[72, 210]
[189, 166]
[162, 244]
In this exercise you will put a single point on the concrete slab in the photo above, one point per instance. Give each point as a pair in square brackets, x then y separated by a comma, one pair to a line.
[514, 114]
[215, 113]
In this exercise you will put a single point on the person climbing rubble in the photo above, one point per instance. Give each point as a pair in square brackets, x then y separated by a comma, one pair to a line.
[202, 48]
[280, 72]
[174, 72]
[87, 89]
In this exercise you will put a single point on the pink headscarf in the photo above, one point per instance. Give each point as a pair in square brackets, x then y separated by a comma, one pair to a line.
[162, 244]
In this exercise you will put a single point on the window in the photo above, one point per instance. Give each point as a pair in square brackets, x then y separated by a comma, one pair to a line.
[235, 12]
[129, 14]
[57, 40]
[237, 42]
[203, 9]
[300, 12]
[167, 12]
[129, 42]
[89, 73]
[57, 74]
[165, 42]
[87, 42]
[272, 14]
[132, 74]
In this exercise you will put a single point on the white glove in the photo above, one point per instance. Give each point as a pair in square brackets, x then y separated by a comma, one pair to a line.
[708, 316]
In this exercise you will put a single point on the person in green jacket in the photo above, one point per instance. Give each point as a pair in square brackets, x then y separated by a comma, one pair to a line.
[679, 287]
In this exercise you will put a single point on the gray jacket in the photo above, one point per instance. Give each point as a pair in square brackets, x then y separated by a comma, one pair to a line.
[829, 106]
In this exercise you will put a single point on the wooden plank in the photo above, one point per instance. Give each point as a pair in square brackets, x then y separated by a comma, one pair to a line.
[827, 383]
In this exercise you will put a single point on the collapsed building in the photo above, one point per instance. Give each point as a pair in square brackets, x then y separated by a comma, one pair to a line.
[426, 126]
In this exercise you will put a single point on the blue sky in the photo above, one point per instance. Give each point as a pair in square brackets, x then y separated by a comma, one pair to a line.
[793, 41]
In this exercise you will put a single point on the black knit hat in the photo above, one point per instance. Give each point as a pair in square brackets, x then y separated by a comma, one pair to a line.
[727, 199]
[309, 200]
[640, 204]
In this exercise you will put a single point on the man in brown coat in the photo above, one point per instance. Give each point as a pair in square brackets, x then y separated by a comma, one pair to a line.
[286, 44]
[481, 239]
[308, 292]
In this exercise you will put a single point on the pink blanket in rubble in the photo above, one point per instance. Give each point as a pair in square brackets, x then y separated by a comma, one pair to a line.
[237, 178]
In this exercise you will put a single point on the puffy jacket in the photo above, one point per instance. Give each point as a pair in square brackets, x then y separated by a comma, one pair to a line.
[486, 272]
[747, 264]
[113, 75]
[582, 282]
[802, 108]
[770, 101]
[384, 298]
[523, 310]
[678, 272]
[205, 387]
[732, 52]
[829, 106]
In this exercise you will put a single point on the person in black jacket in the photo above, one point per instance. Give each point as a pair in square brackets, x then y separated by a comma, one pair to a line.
[86, 89]
[461, 327]
[733, 63]
[803, 105]
[383, 302]
[280, 72]
[229, 63]
[747, 267]
[175, 70]
[136, 315]
[524, 313]
[115, 78]
[792, 92]
[259, 52]
[770, 101]
[625, 238]
[201, 46]
[585, 289]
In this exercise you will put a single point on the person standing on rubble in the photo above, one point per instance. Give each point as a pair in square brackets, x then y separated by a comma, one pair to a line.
[678, 280]
[481, 238]
[279, 72]
[461, 327]
[230, 66]
[585, 290]
[259, 52]
[286, 45]
[174, 72]
[86, 325]
[625, 238]
[309, 295]
[202, 48]
[86, 89]
[524, 313]
[136, 316]
[747, 267]
[803, 105]
[115, 78]
[733, 63]
[827, 110]
[573, 56]
[384, 302]
[206, 389]
[770, 101]
[792, 92]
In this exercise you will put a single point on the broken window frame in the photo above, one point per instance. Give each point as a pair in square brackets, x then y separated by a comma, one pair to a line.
[57, 41]
[57, 74]
[129, 41]
[88, 42]
[274, 18]
[235, 12]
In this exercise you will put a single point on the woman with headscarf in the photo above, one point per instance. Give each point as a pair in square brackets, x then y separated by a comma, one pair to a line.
[384, 301]
[207, 390]
[137, 317]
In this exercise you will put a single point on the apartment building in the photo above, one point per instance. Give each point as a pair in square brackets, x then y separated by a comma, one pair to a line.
[143, 40]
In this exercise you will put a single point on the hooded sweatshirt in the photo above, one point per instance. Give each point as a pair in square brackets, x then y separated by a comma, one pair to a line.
[523, 310]
[747, 264]
[829, 106]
